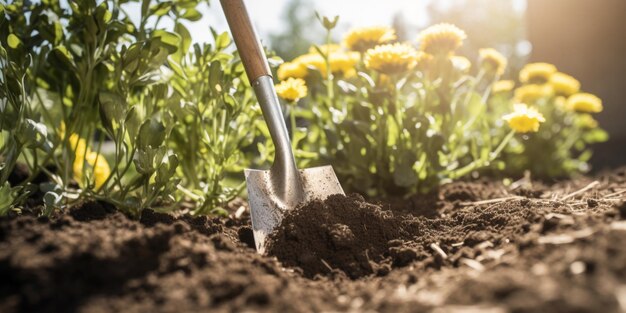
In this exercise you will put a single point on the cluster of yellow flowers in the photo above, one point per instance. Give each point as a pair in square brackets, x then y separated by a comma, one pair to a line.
[378, 51]
[543, 81]
[97, 162]
[376, 48]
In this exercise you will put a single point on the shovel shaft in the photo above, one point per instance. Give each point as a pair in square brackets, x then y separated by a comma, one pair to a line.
[249, 47]
[284, 175]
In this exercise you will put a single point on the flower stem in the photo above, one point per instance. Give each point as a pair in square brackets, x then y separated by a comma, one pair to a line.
[482, 162]
[500, 147]
[292, 120]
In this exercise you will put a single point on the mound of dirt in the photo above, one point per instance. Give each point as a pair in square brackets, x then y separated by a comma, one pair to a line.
[350, 235]
[344, 233]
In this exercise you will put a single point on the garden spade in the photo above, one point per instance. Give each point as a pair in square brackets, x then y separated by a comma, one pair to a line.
[281, 188]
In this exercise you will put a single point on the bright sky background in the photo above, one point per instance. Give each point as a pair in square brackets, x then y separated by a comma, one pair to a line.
[266, 14]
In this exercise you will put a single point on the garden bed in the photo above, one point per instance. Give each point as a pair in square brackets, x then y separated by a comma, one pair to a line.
[474, 245]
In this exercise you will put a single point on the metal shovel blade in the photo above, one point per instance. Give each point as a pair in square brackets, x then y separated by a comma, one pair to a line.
[267, 209]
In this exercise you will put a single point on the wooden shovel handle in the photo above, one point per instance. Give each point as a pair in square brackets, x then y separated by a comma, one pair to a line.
[250, 49]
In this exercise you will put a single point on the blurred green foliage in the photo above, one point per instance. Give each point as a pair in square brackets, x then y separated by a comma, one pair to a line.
[80, 77]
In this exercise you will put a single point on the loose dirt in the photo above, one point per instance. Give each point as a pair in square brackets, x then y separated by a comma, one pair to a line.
[473, 246]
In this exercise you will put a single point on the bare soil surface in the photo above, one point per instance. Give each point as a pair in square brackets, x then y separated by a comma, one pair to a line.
[474, 246]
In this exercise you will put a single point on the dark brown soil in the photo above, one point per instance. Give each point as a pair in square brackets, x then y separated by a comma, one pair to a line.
[472, 247]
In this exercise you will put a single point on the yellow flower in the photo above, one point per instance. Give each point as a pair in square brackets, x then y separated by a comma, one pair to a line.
[364, 38]
[292, 89]
[586, 121]
[326, 48]
[531, 93]
[98, 164]
[492, 60]
[101, 169]
[291, 69]
[441, 38]
[391, 58]
[584, 102]
[536, 73]
[312, 60]
[524, 119]
[344, 62]
[77, 144]
[461, 63]
[564, 84]
[502, 86]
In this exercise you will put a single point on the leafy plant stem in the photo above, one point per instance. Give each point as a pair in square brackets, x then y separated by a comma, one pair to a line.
[482, 162]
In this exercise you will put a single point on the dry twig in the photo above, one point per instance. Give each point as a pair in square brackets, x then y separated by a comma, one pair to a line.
[579, 191]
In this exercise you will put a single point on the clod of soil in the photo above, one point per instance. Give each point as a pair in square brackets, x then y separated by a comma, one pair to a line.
[360, 238]
[344, 233]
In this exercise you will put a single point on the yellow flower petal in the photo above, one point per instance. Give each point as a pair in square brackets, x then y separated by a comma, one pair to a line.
[441, 38]
[536, 73]
[364, 38]
[326, 48]
[391, 58]
[492, 60]
[564, 85]
[344, 62]
[291, 69]
[85, 159]
[531, 93]
[524, 119]
[584, 102]
[502, 86]
[292, 89]
[312, 60]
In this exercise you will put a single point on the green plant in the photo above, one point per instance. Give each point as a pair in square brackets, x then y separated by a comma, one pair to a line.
[560, 147]
[405, 120]
[213, 105]
[120, 112]
[22, 135]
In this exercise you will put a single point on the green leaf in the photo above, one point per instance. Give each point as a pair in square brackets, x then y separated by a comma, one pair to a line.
[112, 105]
[151, 134]
[58, 33]
[34, 133]
[144, 161]
[222, 41]
[215, 75]
[51, 201]
[170, 41]
[393, 133]
[192, 15]
[64, 56]
[132, 122]
[161, 8]
[185, 36]
[13, 41]
[167, 169]
[6, 198]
